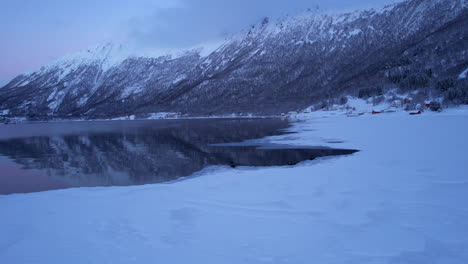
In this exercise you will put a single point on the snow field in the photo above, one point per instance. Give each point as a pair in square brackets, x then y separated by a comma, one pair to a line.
[402, 199]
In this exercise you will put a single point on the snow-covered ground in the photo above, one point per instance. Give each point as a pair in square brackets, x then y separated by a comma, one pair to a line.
[402, 199]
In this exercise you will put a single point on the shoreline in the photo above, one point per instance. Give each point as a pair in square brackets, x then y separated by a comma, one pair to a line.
[398, 198]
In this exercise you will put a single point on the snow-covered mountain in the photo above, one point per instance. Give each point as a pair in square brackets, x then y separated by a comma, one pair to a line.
[273, 67]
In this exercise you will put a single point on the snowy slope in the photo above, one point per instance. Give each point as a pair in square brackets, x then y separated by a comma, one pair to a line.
[400, 200]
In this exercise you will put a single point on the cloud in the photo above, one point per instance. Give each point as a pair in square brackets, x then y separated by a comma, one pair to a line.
[37, 31]
[204, 20]
[196, 21]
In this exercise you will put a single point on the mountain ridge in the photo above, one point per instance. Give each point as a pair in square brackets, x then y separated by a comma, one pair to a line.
[270, 68]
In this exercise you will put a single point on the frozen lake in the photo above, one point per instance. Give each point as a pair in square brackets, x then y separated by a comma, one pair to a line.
[46, 156]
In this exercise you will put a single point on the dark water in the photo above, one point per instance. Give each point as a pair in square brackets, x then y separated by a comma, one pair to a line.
[45, 156]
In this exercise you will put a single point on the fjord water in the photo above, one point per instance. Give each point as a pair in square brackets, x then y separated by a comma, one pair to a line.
[46, 156]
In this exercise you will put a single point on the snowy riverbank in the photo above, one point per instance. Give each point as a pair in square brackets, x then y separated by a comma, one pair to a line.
[400, 200]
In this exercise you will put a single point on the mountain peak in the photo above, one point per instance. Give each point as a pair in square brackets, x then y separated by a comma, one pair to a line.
[274, 66]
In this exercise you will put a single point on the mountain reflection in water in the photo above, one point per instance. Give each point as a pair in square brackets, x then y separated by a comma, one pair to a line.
[140, 152]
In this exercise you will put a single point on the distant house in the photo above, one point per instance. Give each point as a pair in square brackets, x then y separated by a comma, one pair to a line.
[397, 103]
[171, 115]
